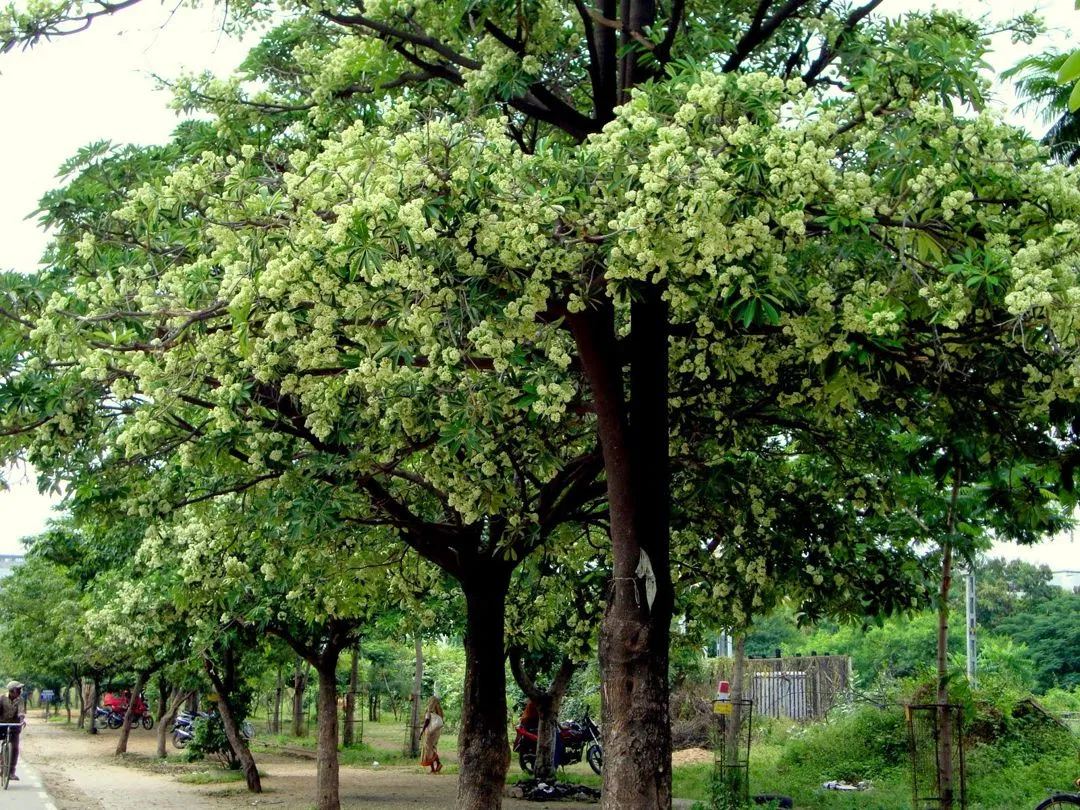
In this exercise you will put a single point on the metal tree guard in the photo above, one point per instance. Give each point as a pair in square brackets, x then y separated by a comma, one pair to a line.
[925, 748]
[732, 752]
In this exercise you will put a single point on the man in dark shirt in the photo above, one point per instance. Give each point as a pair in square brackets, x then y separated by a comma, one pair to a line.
[12, 711]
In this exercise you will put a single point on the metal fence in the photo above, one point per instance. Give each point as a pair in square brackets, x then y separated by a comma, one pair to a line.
[798, 687]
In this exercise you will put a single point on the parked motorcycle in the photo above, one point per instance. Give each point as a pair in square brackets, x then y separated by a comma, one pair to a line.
[183, 727]
[114, 718]
[114, 709]
[578, 739]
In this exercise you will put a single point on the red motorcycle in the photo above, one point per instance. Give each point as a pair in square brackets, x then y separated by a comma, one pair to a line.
[577, 740]
[116, 707]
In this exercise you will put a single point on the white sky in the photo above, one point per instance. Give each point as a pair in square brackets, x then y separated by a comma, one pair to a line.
[96, 85]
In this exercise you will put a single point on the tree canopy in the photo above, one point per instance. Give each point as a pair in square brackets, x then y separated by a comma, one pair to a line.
[475, 273]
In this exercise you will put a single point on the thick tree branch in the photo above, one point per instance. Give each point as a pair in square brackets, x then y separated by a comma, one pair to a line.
[761, 30]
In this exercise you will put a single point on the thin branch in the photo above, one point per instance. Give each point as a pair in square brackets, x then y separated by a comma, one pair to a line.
[52, 28]
[827, 53]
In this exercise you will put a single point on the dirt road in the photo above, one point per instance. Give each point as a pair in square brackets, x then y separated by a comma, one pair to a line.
[80, 772]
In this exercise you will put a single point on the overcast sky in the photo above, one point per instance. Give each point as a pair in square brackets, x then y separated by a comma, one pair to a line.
[98, 85]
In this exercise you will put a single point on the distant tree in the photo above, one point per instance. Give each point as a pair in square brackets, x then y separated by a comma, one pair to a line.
[1051, 631]
[1004, 588]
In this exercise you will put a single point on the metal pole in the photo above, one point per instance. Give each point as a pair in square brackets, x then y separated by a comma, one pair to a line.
[972, 650]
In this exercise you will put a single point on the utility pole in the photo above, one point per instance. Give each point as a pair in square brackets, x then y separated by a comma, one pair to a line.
[972, 650]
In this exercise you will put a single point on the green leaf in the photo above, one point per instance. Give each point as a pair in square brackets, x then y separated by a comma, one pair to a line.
[1074, 98]
[1070, 69]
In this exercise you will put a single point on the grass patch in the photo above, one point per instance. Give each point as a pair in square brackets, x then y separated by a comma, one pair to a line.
[213, 777]
[1013, 773]
[365, 755]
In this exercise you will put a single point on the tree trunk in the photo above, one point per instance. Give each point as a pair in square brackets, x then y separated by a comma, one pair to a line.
[82, 702]
[67, 702]
[483, 748]
[279, 693]
[418, 681]
[125, 728]
[634, 636]
[348, 736]
[944, 717]
[390, 697]
[732, 780]
[167, 717]
[326, 782]
[93, 706]
[163, 696]
[299, 684]
[548, 705]
[232, 732]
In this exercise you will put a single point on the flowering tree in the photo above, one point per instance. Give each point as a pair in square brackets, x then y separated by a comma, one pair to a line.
[582, 238]
[262, 565]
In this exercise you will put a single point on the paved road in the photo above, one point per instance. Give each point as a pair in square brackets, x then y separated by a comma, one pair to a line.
[27, 793]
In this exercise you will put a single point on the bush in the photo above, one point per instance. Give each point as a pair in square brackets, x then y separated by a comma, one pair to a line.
[865, 742]
[209, 740]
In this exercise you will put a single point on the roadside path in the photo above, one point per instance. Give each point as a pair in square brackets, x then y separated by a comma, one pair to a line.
[27, 793]
[80, 773]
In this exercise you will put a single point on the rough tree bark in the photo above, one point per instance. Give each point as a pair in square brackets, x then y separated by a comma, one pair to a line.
[327, 777]
[634, 636]
[483, 748]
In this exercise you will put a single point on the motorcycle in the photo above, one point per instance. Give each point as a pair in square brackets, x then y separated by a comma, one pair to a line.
[183, 727]
[577, 740]
[114, 718]
[112, 713]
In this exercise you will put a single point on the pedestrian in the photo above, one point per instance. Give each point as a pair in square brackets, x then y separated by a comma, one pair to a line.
[429, 732]
[13, 711]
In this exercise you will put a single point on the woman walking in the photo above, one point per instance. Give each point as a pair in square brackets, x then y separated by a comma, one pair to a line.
[430, 731]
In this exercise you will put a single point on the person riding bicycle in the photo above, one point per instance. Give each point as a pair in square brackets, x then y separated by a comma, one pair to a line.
[12, 710]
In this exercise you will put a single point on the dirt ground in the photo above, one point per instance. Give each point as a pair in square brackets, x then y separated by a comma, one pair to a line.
[81, 772]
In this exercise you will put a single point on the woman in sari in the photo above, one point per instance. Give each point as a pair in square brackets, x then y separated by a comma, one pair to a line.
[429, 732]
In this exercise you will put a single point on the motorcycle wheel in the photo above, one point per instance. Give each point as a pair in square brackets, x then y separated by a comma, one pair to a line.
[179, 741]
[116, 720]
[527, 761]
[148, 721]
[595, 756]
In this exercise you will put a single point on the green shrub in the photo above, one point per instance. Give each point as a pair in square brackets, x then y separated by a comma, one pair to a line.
[864, 742]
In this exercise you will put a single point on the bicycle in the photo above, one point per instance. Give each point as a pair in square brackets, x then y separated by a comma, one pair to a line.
[1060, 800]
[5, 753]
